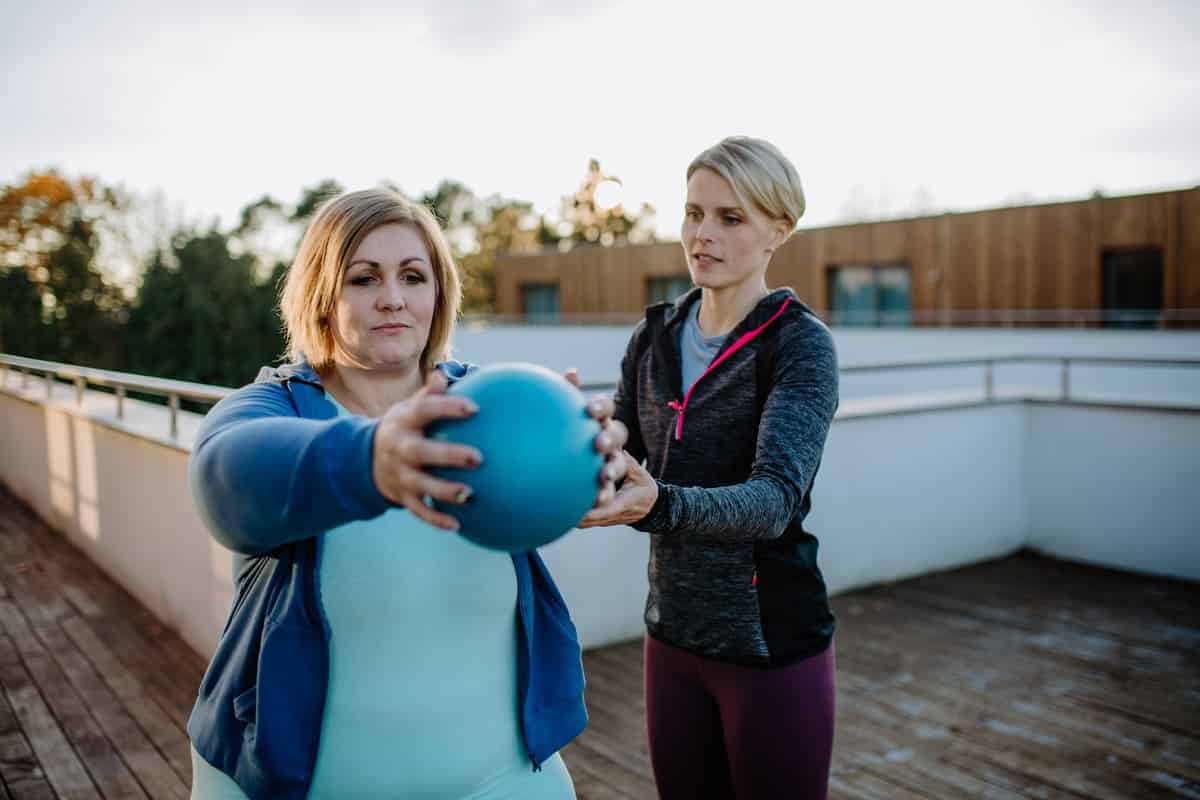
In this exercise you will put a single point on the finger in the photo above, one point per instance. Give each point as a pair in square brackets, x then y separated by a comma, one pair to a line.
[435, 518]
[430, 453]
[620, 434]
[593, 519]
[604, 443]
[435, 382]
[611, 512]
[614, 468]
[601, 407]
[422, 484]
[572, 376]
[599, 517]
[422, 409]
[606, 494]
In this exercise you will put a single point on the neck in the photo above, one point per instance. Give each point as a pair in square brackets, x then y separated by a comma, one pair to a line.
[722, 309]
[371, 392]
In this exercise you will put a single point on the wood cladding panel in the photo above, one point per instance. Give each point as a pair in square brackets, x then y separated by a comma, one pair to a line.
[1187, 268]
[1030, 258]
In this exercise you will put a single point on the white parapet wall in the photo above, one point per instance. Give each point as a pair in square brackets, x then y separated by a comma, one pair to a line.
[908, 485]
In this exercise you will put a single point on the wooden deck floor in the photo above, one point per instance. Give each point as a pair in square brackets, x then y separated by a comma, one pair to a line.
[1024, 677]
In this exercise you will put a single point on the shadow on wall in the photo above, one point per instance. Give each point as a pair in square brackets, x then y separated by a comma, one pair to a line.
[124, 501]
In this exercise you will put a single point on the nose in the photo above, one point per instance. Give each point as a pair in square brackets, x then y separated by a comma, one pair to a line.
[704, 230]
[391, 296]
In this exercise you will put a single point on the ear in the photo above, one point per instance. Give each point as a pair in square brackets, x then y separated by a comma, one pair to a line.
[779, 234]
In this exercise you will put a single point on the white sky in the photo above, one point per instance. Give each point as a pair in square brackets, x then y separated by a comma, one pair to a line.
[886, 107]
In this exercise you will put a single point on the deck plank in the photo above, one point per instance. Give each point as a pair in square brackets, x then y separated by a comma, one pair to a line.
[1023, 677]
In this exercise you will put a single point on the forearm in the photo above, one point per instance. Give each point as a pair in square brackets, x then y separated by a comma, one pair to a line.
[759, 509]
[260, 483]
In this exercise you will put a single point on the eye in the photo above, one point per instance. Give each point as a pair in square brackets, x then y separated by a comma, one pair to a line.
[413, 278]
[692, 215]
[732, 219]
[362, 280]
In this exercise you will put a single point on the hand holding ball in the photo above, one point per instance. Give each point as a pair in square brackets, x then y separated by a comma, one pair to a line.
[540, 467]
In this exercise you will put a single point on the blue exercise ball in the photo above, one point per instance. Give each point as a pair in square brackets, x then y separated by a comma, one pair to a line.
[540, 468]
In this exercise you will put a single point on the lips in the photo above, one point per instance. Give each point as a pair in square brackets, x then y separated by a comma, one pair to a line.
[390, 327]
[705, 258]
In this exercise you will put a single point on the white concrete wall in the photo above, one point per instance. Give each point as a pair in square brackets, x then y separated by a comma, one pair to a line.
[122, 497]
[1116, 487]
[899, 494]
[905, 494]
[596, 351]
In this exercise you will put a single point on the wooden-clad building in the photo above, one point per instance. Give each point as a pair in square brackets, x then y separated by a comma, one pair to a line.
[1112, 260]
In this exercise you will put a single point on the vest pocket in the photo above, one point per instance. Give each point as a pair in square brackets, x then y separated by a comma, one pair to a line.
[245, 705]
[286, 705]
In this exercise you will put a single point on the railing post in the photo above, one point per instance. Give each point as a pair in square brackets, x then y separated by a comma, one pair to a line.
[173, 404]
[1066, 379]
[24, 377]
[988, 387]
[49, 385]
[120, 402]
[80, 386]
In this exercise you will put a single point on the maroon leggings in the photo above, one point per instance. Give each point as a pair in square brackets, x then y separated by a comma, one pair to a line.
[720, 730]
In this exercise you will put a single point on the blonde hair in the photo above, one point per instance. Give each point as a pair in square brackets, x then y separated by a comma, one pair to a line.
[760, 175]
[311, 286]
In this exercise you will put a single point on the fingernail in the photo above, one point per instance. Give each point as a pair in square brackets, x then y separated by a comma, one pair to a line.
[611, 471]
[469, 407]
[475, 459]
[595, 405]
[604, 440]
[464, 494]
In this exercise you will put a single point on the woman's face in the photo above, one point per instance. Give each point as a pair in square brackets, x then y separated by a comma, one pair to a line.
[725, 244]
[385, 305]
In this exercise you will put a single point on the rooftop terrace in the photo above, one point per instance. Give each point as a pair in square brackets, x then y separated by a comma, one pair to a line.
[1019, 677]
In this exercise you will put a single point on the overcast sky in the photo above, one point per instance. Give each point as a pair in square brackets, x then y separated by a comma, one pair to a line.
[884, 107]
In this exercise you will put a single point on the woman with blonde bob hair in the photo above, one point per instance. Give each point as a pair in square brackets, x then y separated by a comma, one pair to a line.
[368, 654]
[728, 394]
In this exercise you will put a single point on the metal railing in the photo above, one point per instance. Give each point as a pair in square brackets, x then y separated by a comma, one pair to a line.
[989, 364]
[120, 382]
[174, 391]
[1116, 319]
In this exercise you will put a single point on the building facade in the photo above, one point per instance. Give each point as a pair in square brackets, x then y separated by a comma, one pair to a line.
[1132, 260]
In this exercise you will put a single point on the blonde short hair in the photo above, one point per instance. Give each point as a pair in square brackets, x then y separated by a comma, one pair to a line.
[759, 173]
[314, 278]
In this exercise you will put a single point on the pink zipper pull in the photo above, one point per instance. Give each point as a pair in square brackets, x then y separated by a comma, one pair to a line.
[678, 408]
[754, 578]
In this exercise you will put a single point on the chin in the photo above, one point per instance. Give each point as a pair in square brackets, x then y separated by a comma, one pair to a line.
[394, 360]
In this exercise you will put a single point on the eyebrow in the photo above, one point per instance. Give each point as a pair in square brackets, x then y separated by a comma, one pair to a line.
[720, 209]
[376, 264]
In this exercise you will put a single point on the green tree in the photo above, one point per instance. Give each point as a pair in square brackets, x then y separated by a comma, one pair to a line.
[585, 220]
[203, 315]
[63, 308]
[23, 328]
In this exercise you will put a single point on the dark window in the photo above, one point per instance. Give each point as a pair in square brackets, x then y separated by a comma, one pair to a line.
[1133, 287]
[539, 302]
[660, 290]
[870, 294]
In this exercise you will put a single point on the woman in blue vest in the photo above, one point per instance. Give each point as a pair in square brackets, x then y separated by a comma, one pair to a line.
[370, 653]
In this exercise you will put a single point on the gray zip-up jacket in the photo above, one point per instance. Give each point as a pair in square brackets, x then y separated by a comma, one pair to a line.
[733, 574]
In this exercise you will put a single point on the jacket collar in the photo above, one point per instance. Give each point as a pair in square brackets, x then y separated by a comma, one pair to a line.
[675, 313]
[300, 371]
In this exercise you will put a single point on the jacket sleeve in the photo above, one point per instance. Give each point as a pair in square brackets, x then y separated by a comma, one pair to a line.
[796, 416]
[262, 476]
[625, 398]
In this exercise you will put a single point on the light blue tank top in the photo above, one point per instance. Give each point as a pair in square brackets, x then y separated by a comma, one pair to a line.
[422, 699]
